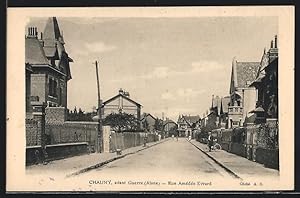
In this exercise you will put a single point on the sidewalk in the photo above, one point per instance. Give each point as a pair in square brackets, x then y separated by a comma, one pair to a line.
[238, 165]
[79, 164]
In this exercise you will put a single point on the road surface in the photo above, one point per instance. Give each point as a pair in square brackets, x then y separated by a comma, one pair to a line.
[172, 159]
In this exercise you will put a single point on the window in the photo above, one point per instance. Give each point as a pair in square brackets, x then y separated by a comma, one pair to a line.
[52, 87]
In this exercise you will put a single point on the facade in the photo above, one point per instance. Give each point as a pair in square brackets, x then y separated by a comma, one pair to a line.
[266, 83]
[121, 103]
[49, 61]
[242, 95]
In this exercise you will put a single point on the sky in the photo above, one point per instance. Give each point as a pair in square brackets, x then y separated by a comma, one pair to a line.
[168, 65]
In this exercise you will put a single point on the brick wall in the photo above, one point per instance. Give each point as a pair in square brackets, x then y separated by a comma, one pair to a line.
[33, 132]
[70, 132]
[38, 86]
[55, 115]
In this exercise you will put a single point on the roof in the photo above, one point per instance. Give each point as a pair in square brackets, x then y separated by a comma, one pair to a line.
[146, 115]
[51, 30]
[34, 53]
[257, 110]
[120, 95]
[246, 73]
[192, 119]
[250, 119]
[168, 121]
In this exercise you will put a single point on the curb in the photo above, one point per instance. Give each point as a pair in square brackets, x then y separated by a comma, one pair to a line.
[219, 163]
[110, 160]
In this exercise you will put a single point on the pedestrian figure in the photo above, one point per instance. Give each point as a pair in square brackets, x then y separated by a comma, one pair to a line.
[210, 141]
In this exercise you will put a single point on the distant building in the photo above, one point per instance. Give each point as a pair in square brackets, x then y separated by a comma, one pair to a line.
[186, 124]
[242, 96]
[121, 103]
[47, 66]
[170, 127]
[266, 83]
[148, 122]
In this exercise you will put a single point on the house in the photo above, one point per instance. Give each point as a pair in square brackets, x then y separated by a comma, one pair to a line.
[148, 122]
[266, 83]
[242, 95]
[186, 124]
[170, 127]
[47, 66]
[121, 103]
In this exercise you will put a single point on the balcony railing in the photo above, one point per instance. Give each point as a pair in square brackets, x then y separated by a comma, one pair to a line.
[235, 110]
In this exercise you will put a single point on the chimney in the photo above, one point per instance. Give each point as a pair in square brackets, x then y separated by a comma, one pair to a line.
[121, 91]
[32, 32]
[275, 41]
[272, 44]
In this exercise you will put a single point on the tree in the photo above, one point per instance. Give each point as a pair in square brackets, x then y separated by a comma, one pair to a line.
[120, 122]
[158, 125]
[146, 125]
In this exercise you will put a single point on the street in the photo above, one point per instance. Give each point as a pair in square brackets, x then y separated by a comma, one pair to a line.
[178, 159]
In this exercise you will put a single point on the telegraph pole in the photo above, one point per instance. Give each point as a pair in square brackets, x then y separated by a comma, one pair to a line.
[99, 135]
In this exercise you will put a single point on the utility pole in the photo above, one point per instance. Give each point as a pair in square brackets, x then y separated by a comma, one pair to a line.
[99, 135]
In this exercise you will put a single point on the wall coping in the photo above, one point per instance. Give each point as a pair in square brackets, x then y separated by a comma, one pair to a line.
[67, 144]
[31, 147]
[81, 122]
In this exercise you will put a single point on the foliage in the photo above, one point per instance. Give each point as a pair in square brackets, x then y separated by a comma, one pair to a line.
[121, 122]
[146, 125]
[79, 115]
[267, 136]
[158, 125]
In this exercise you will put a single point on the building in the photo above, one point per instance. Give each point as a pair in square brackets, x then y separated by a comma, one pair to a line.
[47, 63]
[266, 83]
[170, 127]
[186, 124]
[121, 103]
[242, 95]
[148, 122]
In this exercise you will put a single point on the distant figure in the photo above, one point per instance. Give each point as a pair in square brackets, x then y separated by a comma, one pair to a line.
[210, 141]
[177, 134]
[173, 137]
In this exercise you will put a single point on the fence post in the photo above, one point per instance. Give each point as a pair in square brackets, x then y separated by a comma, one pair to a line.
[39, 115]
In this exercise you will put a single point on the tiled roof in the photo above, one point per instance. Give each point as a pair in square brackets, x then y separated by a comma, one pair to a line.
[192, 119]
[246, 73]
[34, 53]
